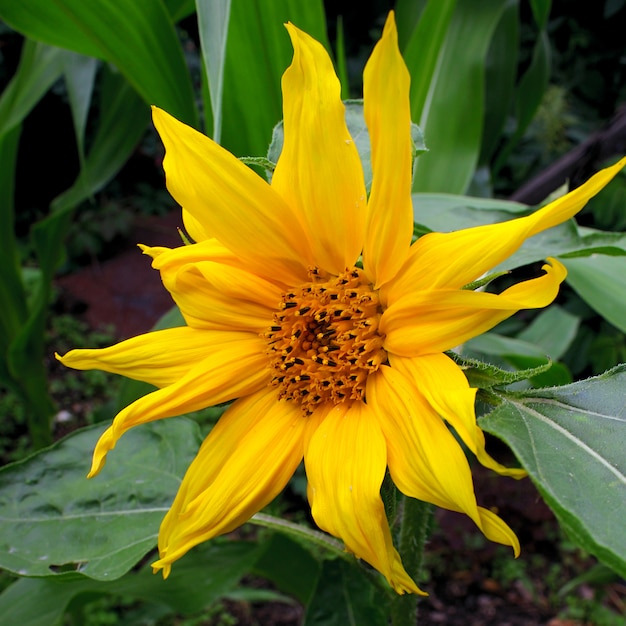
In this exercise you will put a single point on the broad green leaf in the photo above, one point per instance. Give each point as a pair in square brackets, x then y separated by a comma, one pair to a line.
[137, 37]
[54, 520]
[601, 282]
[180, 9]
[40, 66]
[553, 330]
[258, 51]
[447, 95]
[571, 441]
[197, 581]
[213, 17]
[345, 596]
[292, 568]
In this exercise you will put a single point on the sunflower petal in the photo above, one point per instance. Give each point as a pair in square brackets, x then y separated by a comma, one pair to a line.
[232, 369]
[442, 383]
[230, 202]
[243, 464]
[455, 259]
[387, 114]
[425, 461]
[345, 459]
[434, 321]
[319, 172]
[160, 358]
[215, 290]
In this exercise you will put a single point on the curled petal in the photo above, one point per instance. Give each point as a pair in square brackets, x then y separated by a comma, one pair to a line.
[456, 259]
[345, 459]
[425, 461]
[442, 383]
[230, 202]
[319, 172]
[160, 358]
[243, 464]
[434, 321]
[389, 227]
[232, 369]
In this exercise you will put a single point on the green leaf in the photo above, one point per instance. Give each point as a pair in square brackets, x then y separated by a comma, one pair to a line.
[54, 520]
[80, 75]
[12, 294]
[485, 375]
[213, 20]
[541, 11]
[553, 330]
[500, 75]
[197, 581]
[40, 66]
[571, 441]
[601, 282]
[447, 66]
[292, 568]
[123, 121]
[345, 596]
[137, 37]
[257, 53]
[530, 91]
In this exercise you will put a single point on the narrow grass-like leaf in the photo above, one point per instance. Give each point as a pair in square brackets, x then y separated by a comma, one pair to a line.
[137, 37]
[40, 66]
[103, 526]
[213, 18]
[447, 69]
[257, 53]
[571, 441]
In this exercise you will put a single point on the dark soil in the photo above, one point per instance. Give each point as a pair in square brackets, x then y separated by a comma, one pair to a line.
[470, 581]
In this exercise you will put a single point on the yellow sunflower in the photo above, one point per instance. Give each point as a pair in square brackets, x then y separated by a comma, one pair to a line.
[306, 303]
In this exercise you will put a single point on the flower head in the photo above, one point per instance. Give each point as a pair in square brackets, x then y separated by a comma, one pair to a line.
[307, 304]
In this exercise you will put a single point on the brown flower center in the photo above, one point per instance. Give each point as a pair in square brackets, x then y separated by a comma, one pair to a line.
[324, 341]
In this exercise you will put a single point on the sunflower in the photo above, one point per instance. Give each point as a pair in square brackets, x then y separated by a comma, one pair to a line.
[307, 303]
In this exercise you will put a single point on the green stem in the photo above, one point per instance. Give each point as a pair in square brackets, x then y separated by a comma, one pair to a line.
[414, 525]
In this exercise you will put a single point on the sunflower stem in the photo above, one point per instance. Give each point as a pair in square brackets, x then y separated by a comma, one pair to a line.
[414, 529]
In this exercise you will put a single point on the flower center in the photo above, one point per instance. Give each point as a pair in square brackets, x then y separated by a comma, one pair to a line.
[324, 341]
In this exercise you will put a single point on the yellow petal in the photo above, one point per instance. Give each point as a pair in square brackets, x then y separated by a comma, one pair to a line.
[231, 370]
[160, 358]
[319, 173]
[216, 294]
[428, 322]
[443, 384]
[194, 227]
[345, 459]
[455, 259]
[425, 461]
[387, 114]
[243, 464]
[230, 202]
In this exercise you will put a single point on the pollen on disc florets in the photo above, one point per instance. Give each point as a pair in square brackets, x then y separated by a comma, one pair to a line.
[324, 341]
